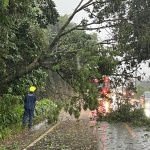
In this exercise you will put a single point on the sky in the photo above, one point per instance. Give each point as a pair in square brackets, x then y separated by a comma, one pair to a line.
[68, 6]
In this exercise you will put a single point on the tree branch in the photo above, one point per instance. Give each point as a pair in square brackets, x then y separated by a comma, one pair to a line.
[20, 73]
[37, 62]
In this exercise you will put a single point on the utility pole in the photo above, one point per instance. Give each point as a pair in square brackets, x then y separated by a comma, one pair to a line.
[136, 76]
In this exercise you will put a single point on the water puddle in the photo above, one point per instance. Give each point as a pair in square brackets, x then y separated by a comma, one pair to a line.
[40, 125]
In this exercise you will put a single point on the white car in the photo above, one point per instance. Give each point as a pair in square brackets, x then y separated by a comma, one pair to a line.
[146, 97]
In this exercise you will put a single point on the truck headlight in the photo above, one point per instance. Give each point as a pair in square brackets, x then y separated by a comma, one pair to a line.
[147, 105]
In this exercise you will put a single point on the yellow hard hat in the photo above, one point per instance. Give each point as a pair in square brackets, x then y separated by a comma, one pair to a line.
[32, 88]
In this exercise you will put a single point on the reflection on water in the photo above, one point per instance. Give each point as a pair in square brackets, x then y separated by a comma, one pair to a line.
[147, 112]
[102, 140]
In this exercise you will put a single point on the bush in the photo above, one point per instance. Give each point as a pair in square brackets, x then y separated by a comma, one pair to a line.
[139, 118]
[135, 117]
[10, 114]
[46, 109]
[11, 117]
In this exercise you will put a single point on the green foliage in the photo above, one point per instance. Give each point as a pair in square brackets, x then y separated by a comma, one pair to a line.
[139, 118]
[23, 47]
[46, 109]
[23, 39]
[11, 116]
[47, 13]
[36, 78]
[136, 117]
[56, 67]
[106, 65]
[3, 148]
[73, 106]
[134, 30]
[130, 29]
[141, 90]
[8, 111]
[79, 59]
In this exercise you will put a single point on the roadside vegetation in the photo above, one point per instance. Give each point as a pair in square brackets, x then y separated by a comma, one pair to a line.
[11, 119]
[141, 90]
[135, 117]
[133, 114]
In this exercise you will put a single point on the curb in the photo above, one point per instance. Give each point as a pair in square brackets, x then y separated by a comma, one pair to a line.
[42, 136]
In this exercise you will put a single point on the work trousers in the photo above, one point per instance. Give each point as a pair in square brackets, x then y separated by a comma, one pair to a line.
[30, 114]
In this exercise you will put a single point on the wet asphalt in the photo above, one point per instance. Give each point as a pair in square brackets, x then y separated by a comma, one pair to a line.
[73, 135]
[117, 137]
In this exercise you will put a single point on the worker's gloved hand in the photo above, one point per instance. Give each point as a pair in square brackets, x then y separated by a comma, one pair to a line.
[36, 102]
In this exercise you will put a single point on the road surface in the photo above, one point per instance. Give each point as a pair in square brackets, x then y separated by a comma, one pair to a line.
[70, 134]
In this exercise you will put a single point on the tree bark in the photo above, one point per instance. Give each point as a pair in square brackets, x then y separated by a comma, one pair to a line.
[20, 73]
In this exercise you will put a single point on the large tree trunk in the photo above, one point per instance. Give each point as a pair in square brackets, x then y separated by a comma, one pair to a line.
[20, 73]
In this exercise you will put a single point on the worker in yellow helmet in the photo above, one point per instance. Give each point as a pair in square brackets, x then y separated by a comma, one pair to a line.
[32, 89]
[30, 101]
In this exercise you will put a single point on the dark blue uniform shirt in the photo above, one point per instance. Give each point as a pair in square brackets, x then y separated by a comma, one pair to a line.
[29, 101]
